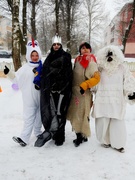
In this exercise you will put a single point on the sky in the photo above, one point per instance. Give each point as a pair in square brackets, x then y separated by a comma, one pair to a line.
[89, 161]
[113, 6]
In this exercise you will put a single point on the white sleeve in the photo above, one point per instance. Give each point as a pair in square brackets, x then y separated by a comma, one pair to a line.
[129, 84]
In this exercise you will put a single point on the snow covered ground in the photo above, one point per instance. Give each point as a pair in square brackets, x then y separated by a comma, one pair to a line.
[89, 161]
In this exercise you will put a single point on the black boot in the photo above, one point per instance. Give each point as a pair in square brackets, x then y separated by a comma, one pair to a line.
[60, 137]
[42, 139]
[80, 139]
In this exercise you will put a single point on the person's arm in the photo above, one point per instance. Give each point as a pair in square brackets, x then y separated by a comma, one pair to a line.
[10, 74]
[93, 81]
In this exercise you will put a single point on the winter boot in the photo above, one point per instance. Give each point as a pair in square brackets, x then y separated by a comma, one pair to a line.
[60, 138]
[19, 140]
[122, 150]
[78, 140]
[106, 145]
[42, 139]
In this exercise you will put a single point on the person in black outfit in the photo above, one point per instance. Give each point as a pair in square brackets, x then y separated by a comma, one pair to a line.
[56, 86]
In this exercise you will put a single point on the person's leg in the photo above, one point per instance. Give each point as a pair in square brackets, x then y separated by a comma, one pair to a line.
[117, 133]
[102, 130]
[60, 133]
[38, 123]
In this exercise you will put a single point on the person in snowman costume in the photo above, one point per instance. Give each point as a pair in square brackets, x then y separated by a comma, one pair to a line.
[116, 87]
[28, 80]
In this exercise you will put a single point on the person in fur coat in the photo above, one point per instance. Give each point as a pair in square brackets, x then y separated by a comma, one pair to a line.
[85, 76]
[115, 88]
[28, 80]
[56, 86]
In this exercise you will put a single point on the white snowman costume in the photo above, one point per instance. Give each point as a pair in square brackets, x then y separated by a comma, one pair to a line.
[111, 96]
[31, 97]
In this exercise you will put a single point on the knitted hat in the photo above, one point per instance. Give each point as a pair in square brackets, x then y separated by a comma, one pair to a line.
[87, 45]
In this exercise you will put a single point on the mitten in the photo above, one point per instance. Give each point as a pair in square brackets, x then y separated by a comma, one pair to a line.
[34, 70]
[131, 97]
[37, 71]
[82, 91]
[6, 70]
[37, 87]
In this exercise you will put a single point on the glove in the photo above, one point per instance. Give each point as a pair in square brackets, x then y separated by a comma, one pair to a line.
[37, 72]
[82, 91]
[131, 97]
[34, 70]
[6, 70]
[37, 87]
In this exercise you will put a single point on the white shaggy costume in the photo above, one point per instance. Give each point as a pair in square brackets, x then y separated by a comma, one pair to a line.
[31, 97]
[111, 96]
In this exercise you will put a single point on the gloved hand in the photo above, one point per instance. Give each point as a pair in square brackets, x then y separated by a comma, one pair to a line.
[131, 97]
[82, 91]
[34, 70]
[37, 87]
[6, 70]
[36, 79]
[37, 71]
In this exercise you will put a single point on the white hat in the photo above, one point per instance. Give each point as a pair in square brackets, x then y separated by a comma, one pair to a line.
[31, 46]
[56, 39]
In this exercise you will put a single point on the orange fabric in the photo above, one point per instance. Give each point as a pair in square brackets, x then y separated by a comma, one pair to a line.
[0, 89]
[91, 82]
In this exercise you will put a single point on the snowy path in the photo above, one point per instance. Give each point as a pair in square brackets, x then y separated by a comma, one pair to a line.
[89, 161]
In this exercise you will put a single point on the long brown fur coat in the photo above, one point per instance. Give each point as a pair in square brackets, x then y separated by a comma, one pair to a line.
[79, 109]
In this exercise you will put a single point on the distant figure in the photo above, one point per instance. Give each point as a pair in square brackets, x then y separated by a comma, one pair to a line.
[85, 76]
[28, 80]
[56, 85]
[115, 88]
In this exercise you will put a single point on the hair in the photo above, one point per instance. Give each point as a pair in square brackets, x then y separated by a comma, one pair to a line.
[34, 51]
[87, 45]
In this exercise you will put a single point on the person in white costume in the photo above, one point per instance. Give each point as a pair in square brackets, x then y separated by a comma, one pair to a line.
[28, 80]
[116, 87]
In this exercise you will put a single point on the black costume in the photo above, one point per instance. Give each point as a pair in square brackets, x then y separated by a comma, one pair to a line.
[56, 85]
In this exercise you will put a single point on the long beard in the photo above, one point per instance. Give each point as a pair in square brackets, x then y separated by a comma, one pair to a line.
[109, 67]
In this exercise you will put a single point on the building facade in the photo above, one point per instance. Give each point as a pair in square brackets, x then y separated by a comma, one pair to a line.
[116, 29]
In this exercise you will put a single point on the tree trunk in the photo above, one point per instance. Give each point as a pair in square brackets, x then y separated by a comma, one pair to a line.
[33, 20]
[23, 39]
[16, 35]
[68, 27]
[57, 15]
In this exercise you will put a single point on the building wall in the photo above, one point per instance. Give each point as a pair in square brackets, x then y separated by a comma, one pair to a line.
[116, 30]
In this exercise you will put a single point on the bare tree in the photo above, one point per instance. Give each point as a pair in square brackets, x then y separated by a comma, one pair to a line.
[96, 19]
[34, 7]
[57, 10]
[69, 9]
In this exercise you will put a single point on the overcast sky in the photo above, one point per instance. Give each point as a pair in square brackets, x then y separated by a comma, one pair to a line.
[113, 6]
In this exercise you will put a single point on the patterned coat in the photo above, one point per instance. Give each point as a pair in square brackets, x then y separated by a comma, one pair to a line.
[79, 109]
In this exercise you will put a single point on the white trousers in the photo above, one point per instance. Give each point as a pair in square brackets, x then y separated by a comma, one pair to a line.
[111, 131]
[32, 122]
